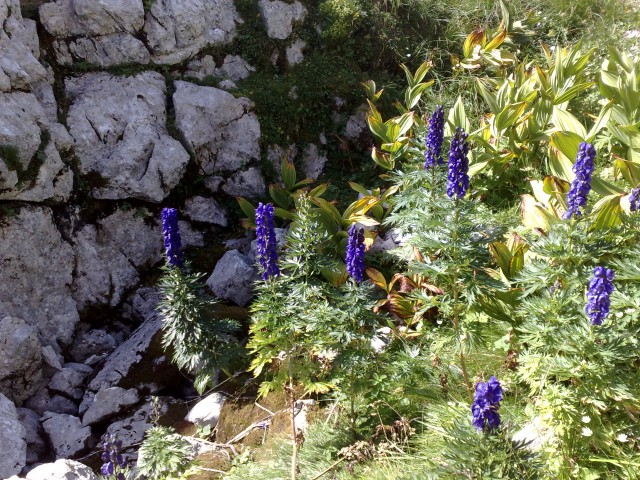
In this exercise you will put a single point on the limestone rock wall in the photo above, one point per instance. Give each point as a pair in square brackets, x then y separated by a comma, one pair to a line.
[109, 111]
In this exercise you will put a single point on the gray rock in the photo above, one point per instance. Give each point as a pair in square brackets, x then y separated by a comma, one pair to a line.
[20, 359]
[232, 278]
[119, 127]
[71, 18]
[233, 68]
[34, 435]
[67, 435]
[45, 401]
[248, 183]
[24, 127]
[52, 361]
[177, 29]
[92, 342]
[279, 17]
[142, 304]
[70, 379]
[37, 267]
[108, 403]
[220, 130]
[294, 52]
[106, 51]
[205, 210]
[131, 430]
[140, 362]
[62, 470]
[12, 439]
[357, 125]
[19, 50]
[313, 161]
[190, 236]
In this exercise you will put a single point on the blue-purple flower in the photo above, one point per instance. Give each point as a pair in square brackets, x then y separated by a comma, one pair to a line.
[580, 186]
[458, 178]
[171, 233]
[355, 253]
[267, 245]
[114, 463]
[433, 142]
[634, 199]
[486, 403]
[600, 288]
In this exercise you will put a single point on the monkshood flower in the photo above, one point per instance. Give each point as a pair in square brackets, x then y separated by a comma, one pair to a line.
[458, 179]
[266, 236]
[355, 253]
[486, 403]
[600, 288]
[634, 200]
[577, 196]
[171, 232]
[114, 463]
[433, 142]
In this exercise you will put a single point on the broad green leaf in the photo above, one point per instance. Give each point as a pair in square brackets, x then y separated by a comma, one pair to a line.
[377, 278]
[319, 190]
[607, 212]
[246, 207]
[572, 92]
[378, 128]
[600, 123]
[359, 207]
[359, 188]
[501, 255]
[282, 213]
[509, 115]
[405, 122]
[413, 95]
[422, 71]
[336, 274]
[477, 37]
[497, 40]
[328, 208]
[363, 220]
[565, 121]
[457, 118]
[280, 196]
[517, 262]
[288, 173]
[383, 159]
[534, 215]
[630, 170]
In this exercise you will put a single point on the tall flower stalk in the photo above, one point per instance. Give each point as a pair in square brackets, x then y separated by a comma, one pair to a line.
[172, 241]
[435, 136]
[458, 177]
[581, 184]
[600, 289]
[115, 465]
[634, 199]
[486, 403]
[267, 245]
[355, 253]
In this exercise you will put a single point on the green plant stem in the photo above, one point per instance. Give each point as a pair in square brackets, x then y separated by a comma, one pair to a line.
[456, 316]
[294, 452]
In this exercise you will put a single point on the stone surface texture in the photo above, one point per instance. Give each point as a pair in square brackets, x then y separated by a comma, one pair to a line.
[62, 470]
[121, 140]
[12, 439]
[279, 17]
[232, 278]
[67, 435]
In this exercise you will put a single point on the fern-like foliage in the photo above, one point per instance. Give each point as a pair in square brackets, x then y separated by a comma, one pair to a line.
[199, 343]
[165, 455]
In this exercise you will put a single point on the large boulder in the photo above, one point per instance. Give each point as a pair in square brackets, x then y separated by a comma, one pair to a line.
[31, 168]
[279, 17]
[20, 359]
[177, 29]
[109, 255]
[232, 278]
[105, 51]
[67, 435]
[108, 403]
[70, 380]
[37, 266]
[119, 128]
[12, 439]
[62, 470]
[34, 435]
[205, 210]
[221, 130]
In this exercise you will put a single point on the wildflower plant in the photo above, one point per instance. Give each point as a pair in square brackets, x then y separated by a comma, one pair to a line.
[486, 403]
[600, 288]
[581, 184]
[200, 343]
[115, 466]
[266, 238]
[355, 253]
[434, 139]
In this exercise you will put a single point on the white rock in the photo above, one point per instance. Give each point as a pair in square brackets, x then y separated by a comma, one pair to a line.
[119, 127]
[67, 435]
[313, 161]
[37, 267]
[235, 68]
[70, 18]
[206, 210]
[356, 125]
[24, 127]
[62, 470]
[207, 411]
[104, 51]
[221, 131]
[108, 403]
[248, 183]
[294, 52]
[20, 359]
[12, 439]
[177, 29]
[232, 278]
[279, 17]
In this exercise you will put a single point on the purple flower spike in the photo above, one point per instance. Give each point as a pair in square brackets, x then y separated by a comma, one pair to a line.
[486, 403]
[580, 186]
[266, 236]
[433, 142]
[634, 199]
[458, 178]
[355, 253]
[171, 232]
[600, 288]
